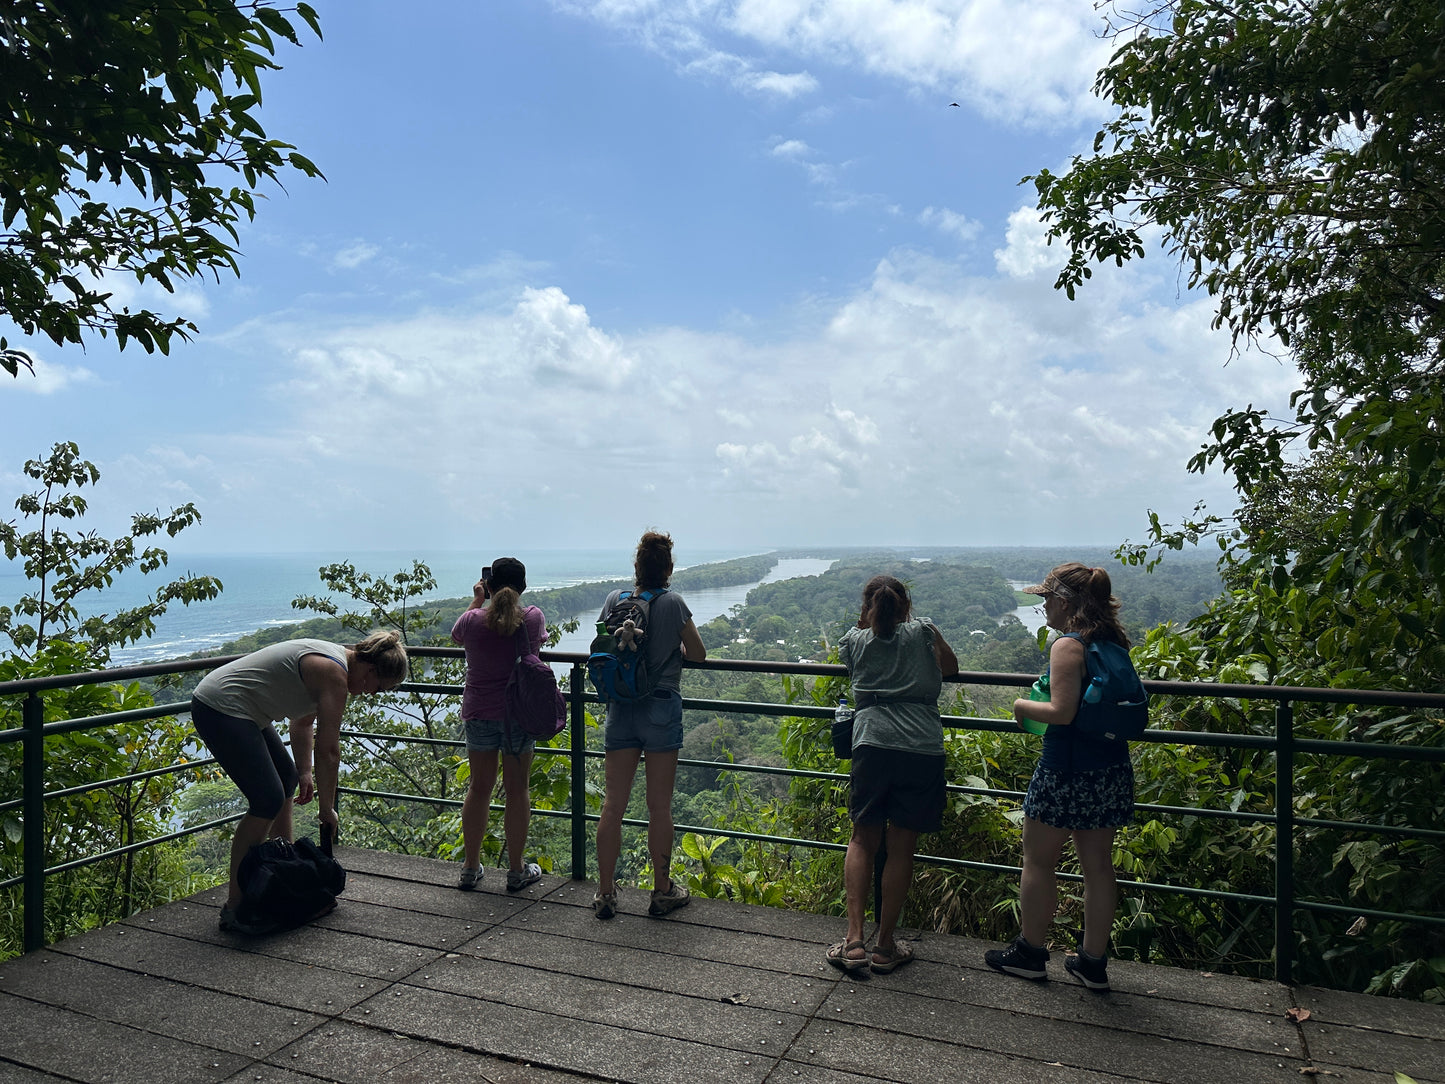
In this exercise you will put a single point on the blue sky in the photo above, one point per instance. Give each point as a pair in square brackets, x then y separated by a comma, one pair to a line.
[737, 269]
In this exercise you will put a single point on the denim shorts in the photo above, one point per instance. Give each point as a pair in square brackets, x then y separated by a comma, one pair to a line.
[489, 735]
[653, 725]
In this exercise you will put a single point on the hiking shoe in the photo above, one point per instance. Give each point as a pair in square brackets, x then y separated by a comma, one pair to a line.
[1092, 971]
[518, 879]
[1021, 959]
[605, 906]
[666, 902]
[469, 878]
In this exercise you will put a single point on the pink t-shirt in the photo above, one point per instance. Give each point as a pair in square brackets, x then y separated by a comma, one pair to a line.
[490, 658]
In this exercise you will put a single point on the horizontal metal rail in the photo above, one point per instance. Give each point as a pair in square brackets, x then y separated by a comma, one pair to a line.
[1283, 743]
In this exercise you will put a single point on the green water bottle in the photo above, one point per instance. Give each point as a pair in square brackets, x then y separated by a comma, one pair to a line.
[602, 643]
[1038, 691]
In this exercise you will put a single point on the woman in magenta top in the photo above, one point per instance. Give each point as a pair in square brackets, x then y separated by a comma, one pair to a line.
[488, 632]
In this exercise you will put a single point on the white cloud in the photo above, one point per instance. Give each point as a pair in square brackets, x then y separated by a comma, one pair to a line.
[791, 148]
[944, 407]
[780, 84]
[48, 378]
[1026, 250]
[1032, 63]
[354, 255]
[950, 222]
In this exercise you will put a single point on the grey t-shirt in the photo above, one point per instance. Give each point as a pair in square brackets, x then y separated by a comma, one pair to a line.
[265, 686]
[899, 665]
[667, 614]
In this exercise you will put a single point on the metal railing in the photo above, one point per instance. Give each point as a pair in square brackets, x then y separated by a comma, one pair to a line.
[1284, 744]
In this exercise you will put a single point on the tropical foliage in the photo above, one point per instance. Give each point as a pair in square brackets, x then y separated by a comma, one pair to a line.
[1290, 156]
[129, 147]
[48, 635]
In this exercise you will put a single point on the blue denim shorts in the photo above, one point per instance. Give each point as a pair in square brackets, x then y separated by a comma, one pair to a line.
[490, 735]
[653, 725]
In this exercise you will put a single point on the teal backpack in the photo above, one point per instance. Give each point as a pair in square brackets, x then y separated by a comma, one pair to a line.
[1115, 706]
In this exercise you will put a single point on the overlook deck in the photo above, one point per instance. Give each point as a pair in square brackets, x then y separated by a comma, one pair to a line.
[410, 980]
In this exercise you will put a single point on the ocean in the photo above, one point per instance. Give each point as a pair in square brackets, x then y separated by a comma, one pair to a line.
[258, 589]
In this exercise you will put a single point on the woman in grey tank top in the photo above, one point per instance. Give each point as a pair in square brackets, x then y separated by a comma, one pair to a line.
[306, 682]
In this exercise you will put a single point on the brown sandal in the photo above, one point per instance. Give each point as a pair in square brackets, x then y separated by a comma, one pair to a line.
[893, 957]
[837, 955]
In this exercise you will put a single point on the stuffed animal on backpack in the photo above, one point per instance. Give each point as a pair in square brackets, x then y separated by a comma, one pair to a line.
[627, 636]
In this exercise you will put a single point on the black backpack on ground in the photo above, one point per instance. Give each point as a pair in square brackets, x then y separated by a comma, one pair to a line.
[288, 884]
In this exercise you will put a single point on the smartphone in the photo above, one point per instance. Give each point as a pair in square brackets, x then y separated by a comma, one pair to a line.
[487, 574]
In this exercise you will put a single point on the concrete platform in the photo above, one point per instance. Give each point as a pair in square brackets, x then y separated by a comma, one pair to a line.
[410, 980]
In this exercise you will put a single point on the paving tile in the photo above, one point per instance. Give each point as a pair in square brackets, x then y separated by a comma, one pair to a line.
[637, 1008]
[352, 1054]
[1371, 1049]
[1387, 1014]
[617, 964]
[869, 1054]
[181, 1011]
[412, 982]
[233, 969]
[79, 1047]
[518, 1034]
[1083, 1046]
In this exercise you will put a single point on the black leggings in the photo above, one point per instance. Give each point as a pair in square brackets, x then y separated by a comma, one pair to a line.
[253, 756]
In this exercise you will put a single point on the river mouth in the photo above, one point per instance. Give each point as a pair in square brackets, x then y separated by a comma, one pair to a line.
[705, 604]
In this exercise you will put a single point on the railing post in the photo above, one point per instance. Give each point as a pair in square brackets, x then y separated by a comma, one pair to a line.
[575, 689]
[1284, 842]
[32, 786]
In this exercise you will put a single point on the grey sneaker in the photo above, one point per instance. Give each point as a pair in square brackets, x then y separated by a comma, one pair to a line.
[666, 902]
[1021, 959]
[469, 878]
[605, 906]
[1092, 971]
[518, 879]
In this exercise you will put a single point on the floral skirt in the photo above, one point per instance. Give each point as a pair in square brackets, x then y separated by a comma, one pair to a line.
[1080, 801]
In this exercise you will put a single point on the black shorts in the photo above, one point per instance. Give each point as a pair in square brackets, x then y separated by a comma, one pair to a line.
[891, 786]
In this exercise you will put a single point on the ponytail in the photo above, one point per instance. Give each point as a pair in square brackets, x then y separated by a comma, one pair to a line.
[886, 604]
[1091, 598]
[504, 614]
[385, 652]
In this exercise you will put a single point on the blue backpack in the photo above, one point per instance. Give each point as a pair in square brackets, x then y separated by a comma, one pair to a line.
[618, 666]
[1115, 706]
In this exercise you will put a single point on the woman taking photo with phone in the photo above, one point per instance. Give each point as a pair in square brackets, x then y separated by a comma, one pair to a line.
[487, 630]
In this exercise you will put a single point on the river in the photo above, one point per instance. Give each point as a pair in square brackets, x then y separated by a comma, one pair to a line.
[705, 604]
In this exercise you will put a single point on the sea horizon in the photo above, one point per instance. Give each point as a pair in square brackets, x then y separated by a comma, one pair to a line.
[258, 589]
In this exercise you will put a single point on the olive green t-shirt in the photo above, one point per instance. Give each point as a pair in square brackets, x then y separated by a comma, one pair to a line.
[900, 665]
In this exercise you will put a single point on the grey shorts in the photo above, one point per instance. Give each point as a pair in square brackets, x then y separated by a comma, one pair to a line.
[653, 725]
[489, 736]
